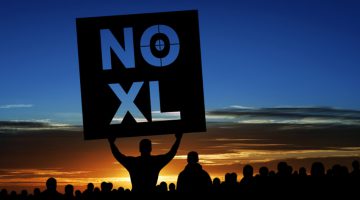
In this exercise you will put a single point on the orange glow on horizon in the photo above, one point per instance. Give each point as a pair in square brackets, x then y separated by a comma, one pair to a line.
[71, 160]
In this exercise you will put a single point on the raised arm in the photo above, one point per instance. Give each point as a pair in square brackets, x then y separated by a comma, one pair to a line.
[175, 146]
[115, 151]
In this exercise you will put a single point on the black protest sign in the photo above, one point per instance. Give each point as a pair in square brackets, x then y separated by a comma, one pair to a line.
[141, 74]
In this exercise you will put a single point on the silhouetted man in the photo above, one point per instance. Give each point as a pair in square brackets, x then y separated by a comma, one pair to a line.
[69, 192]
[193, 178]
[89, 192]
[51, 193]
[247, 182]
[144, 170]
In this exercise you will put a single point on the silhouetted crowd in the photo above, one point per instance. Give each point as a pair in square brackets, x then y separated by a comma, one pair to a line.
[337, 180]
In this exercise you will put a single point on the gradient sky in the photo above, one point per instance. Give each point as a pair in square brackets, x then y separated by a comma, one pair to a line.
[254, 53]
[258, 57]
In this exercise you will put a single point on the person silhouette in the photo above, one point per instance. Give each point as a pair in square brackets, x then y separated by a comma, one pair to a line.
[172, 188]
[264, 171]
[193, 178]
[216, 185]
[69, 192]
[247, 182]
[36, 194]
[144, 170]
[317, 169]
[51, 193]
[163, 187]
[88, 193]
[4, 194]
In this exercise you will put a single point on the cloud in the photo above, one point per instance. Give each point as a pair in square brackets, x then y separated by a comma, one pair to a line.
[285, 115]
[10, 106]
[258, 156]
[44, 172]
[25, 173]
[236, 139]
[20, 126]
[240, 107]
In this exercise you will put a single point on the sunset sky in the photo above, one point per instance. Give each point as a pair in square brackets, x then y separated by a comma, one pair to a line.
[280, 77]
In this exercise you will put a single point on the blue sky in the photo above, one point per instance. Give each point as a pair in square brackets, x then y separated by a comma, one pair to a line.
[254, 53]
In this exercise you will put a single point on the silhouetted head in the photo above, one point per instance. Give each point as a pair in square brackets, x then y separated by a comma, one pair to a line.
[78, 193]
[282, 168]
[109, 186]
[233, 177]
[4, 192]
[103, 186]
[51, 184]
[317, 169]
[145, 146]
[90, 187]
[356, 165]
[248, 171]
[36, 191]
[96, 190]
[227, 177]
[192, 157]
[295, 173]
[336, 170]
[172, 187]
[302, 171]
[24, 193]
[216, 182]
[272, 173]
[163, 186]
[106, 187]
[69, 190]
[264, 171]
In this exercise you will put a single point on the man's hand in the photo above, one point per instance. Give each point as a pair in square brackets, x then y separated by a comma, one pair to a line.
[178, 135]
[111, 139]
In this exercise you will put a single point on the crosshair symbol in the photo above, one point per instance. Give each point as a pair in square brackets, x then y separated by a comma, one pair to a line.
[160, 45]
